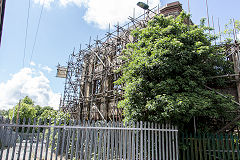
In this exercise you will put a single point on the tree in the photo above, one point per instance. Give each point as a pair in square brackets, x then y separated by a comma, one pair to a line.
[28, 101]
[4, 113]
[231, 28]
[24, 110]
[27, 110]
[40, 110]
[165, 74]
[53, 114]
[56, 117]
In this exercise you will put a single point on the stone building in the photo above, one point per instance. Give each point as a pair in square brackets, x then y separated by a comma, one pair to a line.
[90, 92]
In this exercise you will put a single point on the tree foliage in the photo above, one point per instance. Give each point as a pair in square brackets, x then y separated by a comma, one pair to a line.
[231, 28]
[58, 115]
[4, 113]
[40, 110]
[26, 109]
[166, 70]
[28, 101]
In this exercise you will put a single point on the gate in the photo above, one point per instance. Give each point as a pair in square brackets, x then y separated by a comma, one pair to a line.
[57, 140]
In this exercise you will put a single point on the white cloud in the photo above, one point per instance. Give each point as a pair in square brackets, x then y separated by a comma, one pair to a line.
[113, 11]
[238, 36]
[32, 63]
[79, 3]
[28, 82]
[48, 69]
[103, 12]
[41, 67]
[47, 3]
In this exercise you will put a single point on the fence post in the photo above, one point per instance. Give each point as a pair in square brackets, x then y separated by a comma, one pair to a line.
[156, 142]
[176, 135]
[63, 140]
[160, 142]
[16, 137]
[87, 139]
[36, 146]
[58, 140]
[77, 143]
[30, 152]
[73, 140]
[108, 141]
[141, 125]
[92, 140]
[9, 142]
[69, 132]
[48, 136]
[129, 141]
[152, 127]
[21, 138]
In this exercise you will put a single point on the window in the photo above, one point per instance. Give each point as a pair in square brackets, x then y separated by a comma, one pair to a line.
[97, 86]
[97, 58]
[118, 49]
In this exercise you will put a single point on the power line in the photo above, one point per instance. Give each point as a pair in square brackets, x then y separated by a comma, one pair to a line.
[25, 45]
[39, 20]
[26, 33]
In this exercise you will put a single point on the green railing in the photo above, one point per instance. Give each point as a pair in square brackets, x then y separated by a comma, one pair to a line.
[209, 146]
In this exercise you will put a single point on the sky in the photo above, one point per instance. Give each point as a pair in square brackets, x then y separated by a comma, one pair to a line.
[30, 70]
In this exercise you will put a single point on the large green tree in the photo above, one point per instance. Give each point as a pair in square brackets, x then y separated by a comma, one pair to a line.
[58, 115]
[4, 113]
[26, 109]
[40, 110]
[165, 74]
[23, 110]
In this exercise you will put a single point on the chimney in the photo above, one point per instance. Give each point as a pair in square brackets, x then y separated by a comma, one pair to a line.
[174, 9]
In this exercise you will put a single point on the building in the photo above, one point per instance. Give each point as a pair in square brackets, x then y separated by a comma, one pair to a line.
[2, 9]
[90, 91]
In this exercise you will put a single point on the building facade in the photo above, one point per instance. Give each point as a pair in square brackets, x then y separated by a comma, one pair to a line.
[90, 92]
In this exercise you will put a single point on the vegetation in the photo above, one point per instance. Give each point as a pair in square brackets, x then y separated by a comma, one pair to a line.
[40, 110]
[4, 113]
[58, 115]
[166, 71]
[26, 109]
[228, 33]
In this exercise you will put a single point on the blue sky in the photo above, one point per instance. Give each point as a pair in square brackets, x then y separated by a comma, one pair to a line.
[66, 24]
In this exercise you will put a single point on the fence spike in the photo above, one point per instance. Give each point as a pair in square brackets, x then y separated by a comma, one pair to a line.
[21, 138]
[96, 140]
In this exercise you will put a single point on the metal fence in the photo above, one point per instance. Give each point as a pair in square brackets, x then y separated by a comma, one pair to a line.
[209, 146]
[87, 140]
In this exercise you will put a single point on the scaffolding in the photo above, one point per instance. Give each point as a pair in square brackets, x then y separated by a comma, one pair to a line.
[90, 92]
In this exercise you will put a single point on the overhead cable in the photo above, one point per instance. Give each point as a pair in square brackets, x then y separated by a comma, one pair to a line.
[35, 38]
[26, 33]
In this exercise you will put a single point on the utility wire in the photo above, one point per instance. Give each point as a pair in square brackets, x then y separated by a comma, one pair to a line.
[25, 43]
[24, 53]
[26, 33]
[39, 20]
